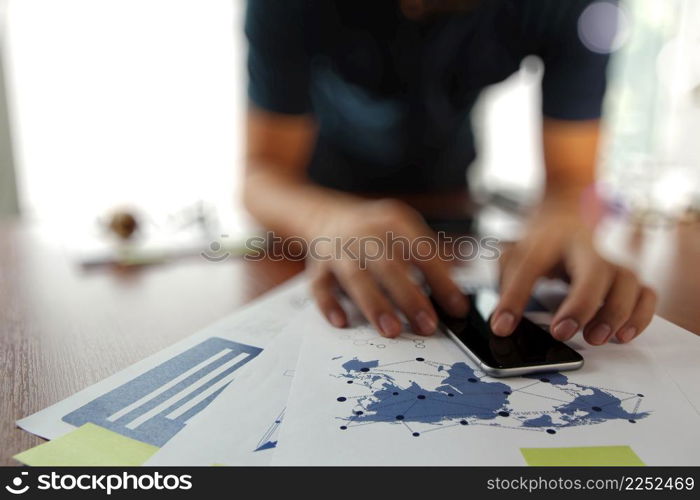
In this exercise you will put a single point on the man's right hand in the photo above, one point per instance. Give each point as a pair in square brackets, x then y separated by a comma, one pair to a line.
[385, 280]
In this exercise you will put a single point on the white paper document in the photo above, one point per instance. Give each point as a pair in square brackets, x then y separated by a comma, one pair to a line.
[153, 400]
[241, 426]
[359, 399]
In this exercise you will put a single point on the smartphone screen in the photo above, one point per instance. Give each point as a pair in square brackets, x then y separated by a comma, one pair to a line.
[529, 349]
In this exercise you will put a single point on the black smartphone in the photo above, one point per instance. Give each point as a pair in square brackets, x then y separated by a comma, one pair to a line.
[530, 349]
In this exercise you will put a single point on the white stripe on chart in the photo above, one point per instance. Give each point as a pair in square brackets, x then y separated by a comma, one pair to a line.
[157, 392]
[181, 410]
[185, 392]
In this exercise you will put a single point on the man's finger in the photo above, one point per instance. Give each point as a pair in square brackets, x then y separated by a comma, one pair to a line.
[518, 277]
[426, 256]
[616, 310]
[407, 296]
[362, 288]
[591, 278]
[640, 318]
[323, 287]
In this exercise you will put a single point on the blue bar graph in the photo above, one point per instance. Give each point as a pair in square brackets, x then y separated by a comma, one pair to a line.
[156, 405]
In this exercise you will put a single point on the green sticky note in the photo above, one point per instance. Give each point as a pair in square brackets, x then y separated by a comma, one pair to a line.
[581, 456]
[88, 445]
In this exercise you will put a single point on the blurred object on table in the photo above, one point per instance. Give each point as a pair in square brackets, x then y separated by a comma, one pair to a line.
[129, 237]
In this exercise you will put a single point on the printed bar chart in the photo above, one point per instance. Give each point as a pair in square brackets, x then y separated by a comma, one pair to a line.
[156, 405]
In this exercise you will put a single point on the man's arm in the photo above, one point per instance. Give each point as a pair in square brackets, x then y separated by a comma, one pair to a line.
[276, 188]
[570, 156]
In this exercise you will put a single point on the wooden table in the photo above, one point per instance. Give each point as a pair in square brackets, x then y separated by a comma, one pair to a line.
[63, 328]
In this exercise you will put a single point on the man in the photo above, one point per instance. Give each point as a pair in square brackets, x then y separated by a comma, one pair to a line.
[373, 96]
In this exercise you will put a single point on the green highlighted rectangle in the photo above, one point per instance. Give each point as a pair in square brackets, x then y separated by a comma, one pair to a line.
[581, 456]
[88, 445]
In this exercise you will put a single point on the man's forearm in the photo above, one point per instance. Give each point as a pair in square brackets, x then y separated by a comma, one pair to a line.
[570, 154]
[288, 205]
[277, 191]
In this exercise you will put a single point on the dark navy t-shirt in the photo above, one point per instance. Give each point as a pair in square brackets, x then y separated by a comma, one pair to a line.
[392, 96]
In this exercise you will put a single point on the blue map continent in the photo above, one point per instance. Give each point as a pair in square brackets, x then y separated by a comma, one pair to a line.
[461, 394]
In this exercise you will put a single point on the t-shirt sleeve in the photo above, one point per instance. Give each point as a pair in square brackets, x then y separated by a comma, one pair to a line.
[278, 67]
[575, 56]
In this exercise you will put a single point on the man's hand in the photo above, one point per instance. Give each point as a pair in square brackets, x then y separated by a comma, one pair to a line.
[383, 283]
[605, 300]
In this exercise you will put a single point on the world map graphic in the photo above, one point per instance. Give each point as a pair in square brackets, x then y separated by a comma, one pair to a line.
[425, 396]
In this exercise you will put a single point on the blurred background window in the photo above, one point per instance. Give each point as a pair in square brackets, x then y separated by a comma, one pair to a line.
[8, 185]
[133, 103]
[140, 103]
[652, 159]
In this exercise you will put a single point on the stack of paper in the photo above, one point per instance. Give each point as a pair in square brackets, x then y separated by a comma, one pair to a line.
[275, 384]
